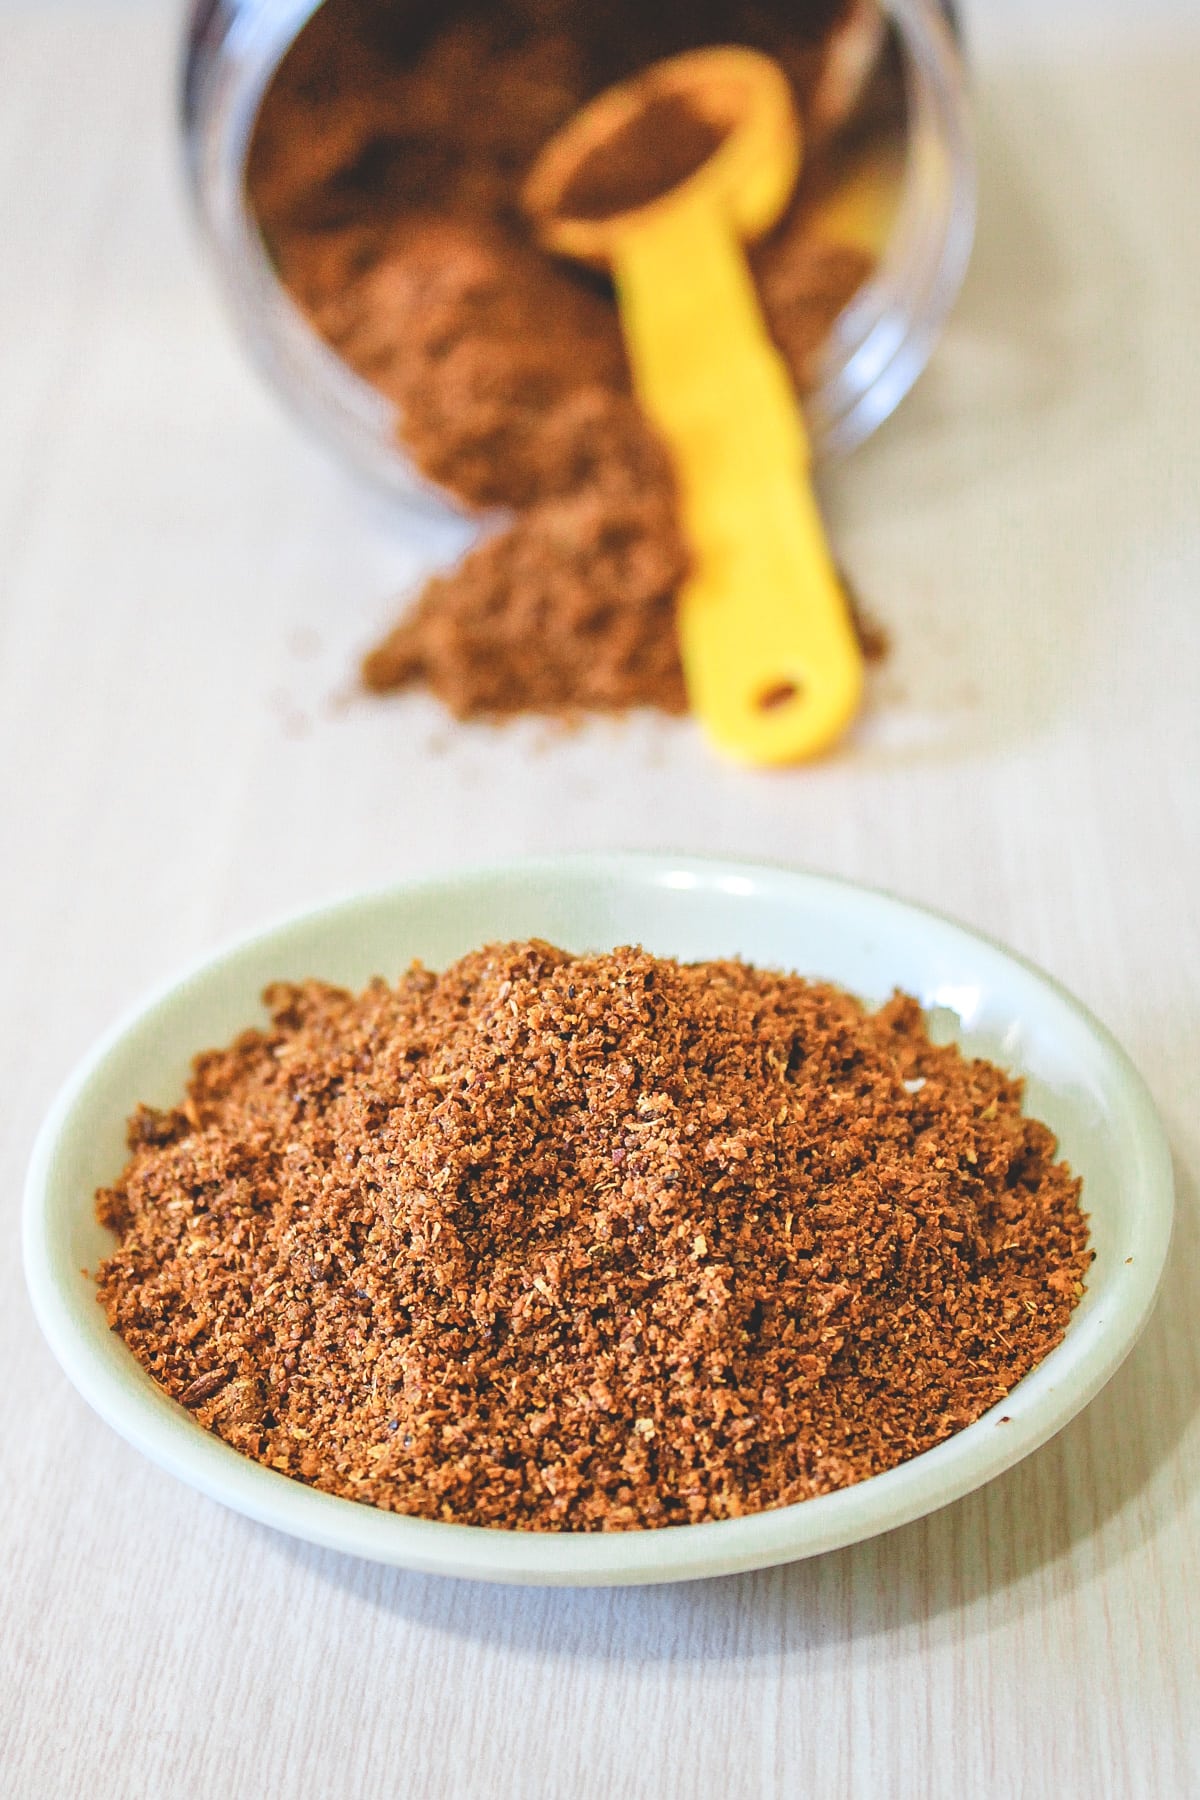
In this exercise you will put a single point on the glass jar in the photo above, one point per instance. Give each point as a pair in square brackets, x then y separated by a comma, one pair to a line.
[880, 342]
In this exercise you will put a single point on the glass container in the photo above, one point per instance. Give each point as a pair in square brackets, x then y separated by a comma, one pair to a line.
[879, 344]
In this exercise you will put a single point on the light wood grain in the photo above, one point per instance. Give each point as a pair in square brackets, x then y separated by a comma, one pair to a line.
[184, 583]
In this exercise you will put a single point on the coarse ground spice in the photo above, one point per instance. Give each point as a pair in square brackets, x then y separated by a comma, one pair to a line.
[385, 172]
[590, 1242]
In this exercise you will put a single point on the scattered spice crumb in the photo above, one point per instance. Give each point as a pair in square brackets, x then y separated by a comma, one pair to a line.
[304, 643]
[589, 1243]
[293, 720]
[873, 638]
[342, 700]
[385, 171]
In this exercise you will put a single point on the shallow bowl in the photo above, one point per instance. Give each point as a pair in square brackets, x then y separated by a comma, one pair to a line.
[995, 1005]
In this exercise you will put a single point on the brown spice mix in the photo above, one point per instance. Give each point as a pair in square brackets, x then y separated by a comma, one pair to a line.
[385, 172]
[590, 1242]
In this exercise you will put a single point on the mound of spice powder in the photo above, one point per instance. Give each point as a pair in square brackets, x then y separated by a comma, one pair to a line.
[589, 1242]
[385, 173]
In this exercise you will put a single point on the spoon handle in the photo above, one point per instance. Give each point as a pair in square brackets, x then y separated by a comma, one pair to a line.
[770, 656]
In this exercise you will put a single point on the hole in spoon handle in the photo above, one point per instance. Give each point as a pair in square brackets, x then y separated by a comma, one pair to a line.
[777, 694]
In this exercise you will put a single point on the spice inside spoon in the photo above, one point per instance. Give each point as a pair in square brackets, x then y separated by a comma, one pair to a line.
[661, 180]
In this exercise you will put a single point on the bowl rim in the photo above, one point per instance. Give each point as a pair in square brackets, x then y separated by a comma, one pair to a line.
[1052, 1394]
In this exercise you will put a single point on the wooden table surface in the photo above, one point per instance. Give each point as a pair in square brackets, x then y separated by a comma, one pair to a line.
[185, 582]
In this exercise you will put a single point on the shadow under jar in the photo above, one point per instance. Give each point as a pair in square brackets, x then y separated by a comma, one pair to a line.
[362, 84]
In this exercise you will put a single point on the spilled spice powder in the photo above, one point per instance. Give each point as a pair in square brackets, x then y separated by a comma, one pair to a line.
[385, 173]
[589, 1242]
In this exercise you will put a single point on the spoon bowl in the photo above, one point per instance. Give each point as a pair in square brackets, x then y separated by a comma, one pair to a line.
[747, 179]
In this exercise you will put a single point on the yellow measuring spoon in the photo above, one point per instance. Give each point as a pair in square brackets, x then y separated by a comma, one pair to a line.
[770, 655]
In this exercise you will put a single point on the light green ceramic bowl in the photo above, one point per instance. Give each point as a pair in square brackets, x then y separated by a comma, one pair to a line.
[1078, 1080]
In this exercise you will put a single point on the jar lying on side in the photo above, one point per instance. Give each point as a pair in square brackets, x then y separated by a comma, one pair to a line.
[358, 167]
[878, 346]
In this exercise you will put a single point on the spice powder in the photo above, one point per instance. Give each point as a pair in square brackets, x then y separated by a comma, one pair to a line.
[385, 174]
[590, 1242]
